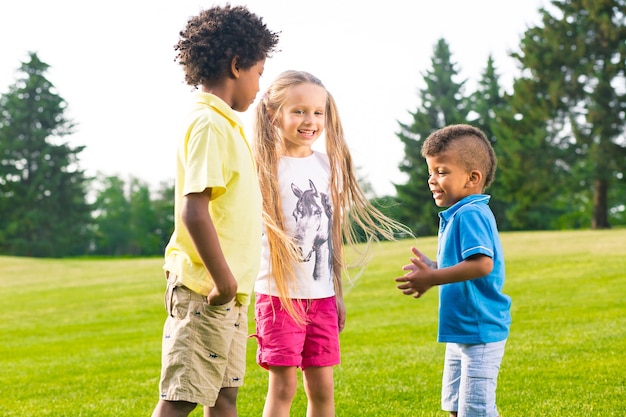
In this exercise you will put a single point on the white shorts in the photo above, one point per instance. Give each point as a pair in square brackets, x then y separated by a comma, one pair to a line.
[470, 377]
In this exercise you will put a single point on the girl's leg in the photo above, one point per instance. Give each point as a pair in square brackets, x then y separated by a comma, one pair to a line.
[283, 382]
[320, 391]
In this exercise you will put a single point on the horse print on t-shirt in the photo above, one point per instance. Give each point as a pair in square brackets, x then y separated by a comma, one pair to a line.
[313, 214]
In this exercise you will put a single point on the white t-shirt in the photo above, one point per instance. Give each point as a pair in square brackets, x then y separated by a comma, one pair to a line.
[307, 212]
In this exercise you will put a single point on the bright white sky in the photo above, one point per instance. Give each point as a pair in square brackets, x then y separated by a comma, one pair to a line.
[113, 62]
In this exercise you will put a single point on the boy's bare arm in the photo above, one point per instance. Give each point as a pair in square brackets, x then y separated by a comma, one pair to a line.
[195, 216]
[421, 277]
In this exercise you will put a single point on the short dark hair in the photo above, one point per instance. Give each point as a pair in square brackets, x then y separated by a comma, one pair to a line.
[474, 149]
[215, 36]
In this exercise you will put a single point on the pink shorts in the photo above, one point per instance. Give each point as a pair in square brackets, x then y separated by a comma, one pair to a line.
[283, 342]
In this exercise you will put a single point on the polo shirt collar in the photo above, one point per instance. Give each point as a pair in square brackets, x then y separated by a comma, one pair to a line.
[219, 106]
[470, 199]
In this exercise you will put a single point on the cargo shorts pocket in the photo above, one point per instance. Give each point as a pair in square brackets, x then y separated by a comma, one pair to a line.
[177, 300]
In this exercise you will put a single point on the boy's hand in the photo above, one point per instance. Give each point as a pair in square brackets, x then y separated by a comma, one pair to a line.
[417, 281]
[425, 259]
[223, 292]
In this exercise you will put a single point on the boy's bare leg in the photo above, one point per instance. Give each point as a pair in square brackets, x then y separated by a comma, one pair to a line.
[225, 405]
[173, 409]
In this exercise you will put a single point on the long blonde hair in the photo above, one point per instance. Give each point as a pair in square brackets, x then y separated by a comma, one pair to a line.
[350, 205]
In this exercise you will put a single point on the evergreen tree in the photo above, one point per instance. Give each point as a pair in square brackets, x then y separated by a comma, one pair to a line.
[529, 174]
[487, 102]
[128, 220]
[111, 217]
[164, 209]
[143, 220]
[442, 103]
[42, 189]
[576, 73]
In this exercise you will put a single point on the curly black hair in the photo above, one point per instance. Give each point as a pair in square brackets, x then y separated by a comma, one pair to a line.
[215, 36]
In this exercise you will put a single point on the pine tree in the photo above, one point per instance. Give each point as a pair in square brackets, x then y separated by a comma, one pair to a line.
[487, 102]
[143, 220]
[112, 217]
[42, 188]
[164, 208]
[576, 73]
[529, 174]
[128, 220]
[442, 103]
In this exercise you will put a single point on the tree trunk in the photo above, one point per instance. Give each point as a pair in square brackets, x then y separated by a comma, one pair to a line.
[600, 210]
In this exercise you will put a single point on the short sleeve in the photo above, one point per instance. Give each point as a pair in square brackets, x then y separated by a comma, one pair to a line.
[205, 161]
[476, 234]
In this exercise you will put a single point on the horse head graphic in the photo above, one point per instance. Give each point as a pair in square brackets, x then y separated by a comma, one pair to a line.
[313, 214]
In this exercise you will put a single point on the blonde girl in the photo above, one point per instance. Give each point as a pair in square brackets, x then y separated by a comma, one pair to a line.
[311, 204]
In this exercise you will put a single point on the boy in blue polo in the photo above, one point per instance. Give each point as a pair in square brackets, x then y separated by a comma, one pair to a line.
[474, 313]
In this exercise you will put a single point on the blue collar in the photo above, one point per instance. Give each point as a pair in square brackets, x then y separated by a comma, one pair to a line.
[470, 199]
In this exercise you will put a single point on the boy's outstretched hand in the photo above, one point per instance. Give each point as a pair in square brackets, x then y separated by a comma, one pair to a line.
[418, 280]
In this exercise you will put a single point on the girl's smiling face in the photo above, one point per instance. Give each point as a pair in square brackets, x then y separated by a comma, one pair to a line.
[302, 118]
[448, 179]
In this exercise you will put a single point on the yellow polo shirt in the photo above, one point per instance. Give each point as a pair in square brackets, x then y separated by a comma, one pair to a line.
[213, 153]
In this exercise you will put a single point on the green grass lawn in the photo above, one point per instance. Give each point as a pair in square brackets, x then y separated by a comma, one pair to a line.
[82, 337]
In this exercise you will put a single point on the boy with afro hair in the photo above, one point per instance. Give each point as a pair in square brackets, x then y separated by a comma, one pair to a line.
[213, 255]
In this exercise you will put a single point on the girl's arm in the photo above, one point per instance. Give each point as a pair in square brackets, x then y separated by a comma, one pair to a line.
[337, 272]
[341, 309]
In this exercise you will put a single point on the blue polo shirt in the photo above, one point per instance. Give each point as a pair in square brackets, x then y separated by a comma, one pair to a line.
[475, 311]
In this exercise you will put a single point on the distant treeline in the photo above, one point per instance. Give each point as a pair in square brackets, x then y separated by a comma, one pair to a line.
[559, 137]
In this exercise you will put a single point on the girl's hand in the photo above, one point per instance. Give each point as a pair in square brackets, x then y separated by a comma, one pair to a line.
[341, 313]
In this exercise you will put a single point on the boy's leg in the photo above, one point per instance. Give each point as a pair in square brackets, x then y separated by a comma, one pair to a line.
[479, 378]
[451, 381]
[173, 409]
[197, 344]
[225, 405]
[226, 402]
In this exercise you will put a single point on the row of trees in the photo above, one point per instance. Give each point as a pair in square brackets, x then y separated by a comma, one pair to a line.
[130, 219]
[559, 138]
[48, 206]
